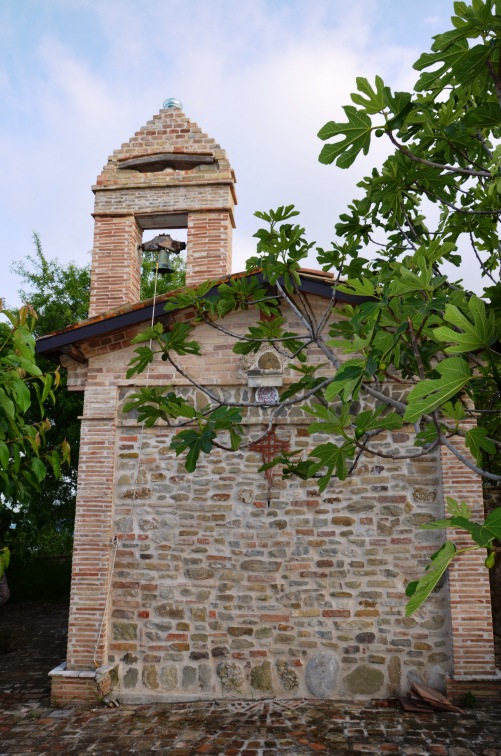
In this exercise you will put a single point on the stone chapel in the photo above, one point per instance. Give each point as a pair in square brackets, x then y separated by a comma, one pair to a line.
[228, 582]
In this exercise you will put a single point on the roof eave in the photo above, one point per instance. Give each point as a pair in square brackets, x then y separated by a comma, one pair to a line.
[55, 344]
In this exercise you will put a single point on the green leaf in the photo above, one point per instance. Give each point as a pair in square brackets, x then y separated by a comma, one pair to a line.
[407, 281]
[454, 411]
[437, 524]
[47, 386]
[225, 418]
[7, 405]
[477, 440]
[487, 115]
[185, 410]
[374, 100]
[28, 365]
[346, 381]
[55, 462]
[357, 138]
[332, 421]
[456, 508]
[479, 332]
[492, 525]
[473, 528]
[426, 435]
[471, 65]
[420, 590]
[400, 104]
[362, 286]
[334, 458]
[176, 339]
[235, 439]
[431, 393]
[195, 442]
[150, 333]
[24, 343]
[140, 362]
[4, 455]
[38, 468]
[22, 394]
[372, 420]
[458, 61]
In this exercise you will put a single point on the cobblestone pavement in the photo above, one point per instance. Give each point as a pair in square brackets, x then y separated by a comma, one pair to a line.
[32, 641]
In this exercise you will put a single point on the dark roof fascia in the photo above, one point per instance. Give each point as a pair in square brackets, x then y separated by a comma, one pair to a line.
[321, 289]
[53, 345]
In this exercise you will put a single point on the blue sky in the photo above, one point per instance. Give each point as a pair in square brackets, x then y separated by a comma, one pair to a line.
[79, 77]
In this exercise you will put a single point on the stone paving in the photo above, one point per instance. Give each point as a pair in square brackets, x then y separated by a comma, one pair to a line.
[32, 641]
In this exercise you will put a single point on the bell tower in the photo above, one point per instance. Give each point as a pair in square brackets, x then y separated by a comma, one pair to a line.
[169, 175]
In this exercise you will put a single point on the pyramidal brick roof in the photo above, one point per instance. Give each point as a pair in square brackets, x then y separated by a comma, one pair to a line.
[168, 136]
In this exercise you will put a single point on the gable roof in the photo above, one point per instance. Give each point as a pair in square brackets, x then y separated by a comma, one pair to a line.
[314, 282]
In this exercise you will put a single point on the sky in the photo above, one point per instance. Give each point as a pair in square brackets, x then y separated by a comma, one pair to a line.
[80, 77]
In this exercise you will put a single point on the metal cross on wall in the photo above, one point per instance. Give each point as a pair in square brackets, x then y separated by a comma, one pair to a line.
[269, 446]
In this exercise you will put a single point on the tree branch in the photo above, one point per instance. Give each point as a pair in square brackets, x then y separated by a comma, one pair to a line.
[483, 473]
[431, 164]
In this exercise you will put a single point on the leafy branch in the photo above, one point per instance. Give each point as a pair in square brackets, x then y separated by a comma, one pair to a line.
[485, 535]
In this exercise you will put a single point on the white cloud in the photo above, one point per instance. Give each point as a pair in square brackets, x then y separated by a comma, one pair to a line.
[261, 77]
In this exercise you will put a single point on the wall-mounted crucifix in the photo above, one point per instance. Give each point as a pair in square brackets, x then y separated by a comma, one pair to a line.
[269, 446]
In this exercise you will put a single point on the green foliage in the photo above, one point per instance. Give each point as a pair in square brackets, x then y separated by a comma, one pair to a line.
[59, 293]
[483, 534]
[4, 559]
[24, 458]
[357, 137]
[468, 335]
[411, 324]
[429, 394]
[175, 339]
[152, 404]
[419, 590]
[42, 575]
[280, 249]
[203, 438]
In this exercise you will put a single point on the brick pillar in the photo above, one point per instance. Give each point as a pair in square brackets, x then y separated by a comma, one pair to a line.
[470, 601]
[116, 263]
[208, 246]
[93, 531]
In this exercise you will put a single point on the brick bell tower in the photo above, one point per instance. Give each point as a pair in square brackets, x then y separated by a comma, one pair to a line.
[169, 175]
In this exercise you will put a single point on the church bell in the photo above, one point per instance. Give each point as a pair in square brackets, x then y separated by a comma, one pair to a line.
[164, 264]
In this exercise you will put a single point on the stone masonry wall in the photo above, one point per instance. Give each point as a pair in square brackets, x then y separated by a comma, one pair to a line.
[216, 592]
[221, 587]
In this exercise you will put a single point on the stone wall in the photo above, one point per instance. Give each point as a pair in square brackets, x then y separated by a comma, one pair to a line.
[216, 592]
[220, 584]
[226, 582]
